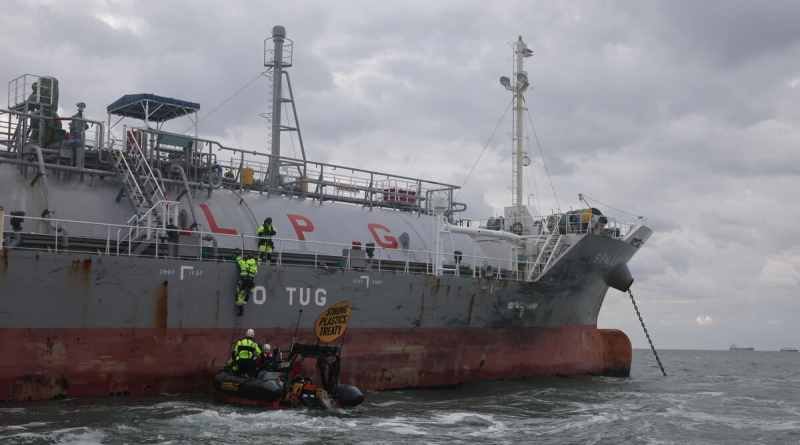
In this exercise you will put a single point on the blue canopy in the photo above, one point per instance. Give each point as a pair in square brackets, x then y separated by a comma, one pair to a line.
[151, 107]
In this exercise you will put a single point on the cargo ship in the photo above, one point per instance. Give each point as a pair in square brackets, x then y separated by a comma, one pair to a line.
[119, 242]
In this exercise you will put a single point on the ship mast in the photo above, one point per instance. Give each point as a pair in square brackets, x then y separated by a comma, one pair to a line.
[518, 85]
[278, 55]
[278, 34]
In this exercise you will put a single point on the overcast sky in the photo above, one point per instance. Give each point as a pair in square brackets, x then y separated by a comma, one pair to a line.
[685, 112]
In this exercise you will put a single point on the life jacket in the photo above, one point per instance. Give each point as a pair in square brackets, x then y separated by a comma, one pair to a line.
[244, 268]
[246, 349]
[264, 233]
[265, 230]
[252, 267]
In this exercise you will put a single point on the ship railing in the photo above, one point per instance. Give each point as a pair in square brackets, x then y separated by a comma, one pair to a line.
[332, 182]
[115, 240]
[32, 89]
[153, 221]
[320, 180]
[20, 128]
[566, 223]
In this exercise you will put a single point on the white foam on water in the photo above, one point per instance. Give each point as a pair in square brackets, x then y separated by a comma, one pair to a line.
[495, 431]
[385, 404]
[578, 422]
[735, 422]
[465, 417]
[121, 427]
[86, 437]
[711, 393]
[265, 420]
[26, 437]
[23, 427]
[65, 436]
[400, 425]
[472, 424]
[175, 404]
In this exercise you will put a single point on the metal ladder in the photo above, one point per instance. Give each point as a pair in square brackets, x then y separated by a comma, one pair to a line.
[9, 130]
[143, 189]
[546, 255]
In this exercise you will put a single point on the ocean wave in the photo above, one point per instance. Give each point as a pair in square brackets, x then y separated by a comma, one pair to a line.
[748, 422]
[578, 423]
[386, 404]
[402, 426]
[125, 428]
[86, 437]
[25, 438]
[24, 426]
[266, 420]
[63, 436]
[465, 418]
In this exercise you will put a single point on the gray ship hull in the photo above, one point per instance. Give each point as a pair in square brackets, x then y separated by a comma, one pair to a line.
[81, 324]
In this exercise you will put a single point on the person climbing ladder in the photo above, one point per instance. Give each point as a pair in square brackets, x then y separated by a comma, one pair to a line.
[248, 269]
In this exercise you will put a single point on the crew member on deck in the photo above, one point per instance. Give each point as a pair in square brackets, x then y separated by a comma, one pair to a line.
[244, 354]
[248, 268]
[265, 233]
[77, 126]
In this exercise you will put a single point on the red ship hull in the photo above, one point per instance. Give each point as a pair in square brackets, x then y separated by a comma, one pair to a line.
[41, 364]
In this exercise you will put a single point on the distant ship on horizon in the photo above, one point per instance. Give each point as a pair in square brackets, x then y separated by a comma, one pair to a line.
[742, 348]
[789, 349]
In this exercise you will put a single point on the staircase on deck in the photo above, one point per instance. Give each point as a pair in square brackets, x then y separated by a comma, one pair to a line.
[144, 191]
[547, 253]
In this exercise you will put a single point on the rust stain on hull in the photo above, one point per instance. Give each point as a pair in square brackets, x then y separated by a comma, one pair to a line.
[4, 259]
[38, 387]
[109, 361]
[81, 272]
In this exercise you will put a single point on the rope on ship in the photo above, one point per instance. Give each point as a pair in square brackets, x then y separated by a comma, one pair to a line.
[486, 146]
[541, 153]
[646, 333]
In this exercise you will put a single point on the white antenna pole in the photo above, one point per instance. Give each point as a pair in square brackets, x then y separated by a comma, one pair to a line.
[518, 84]
[518, 129]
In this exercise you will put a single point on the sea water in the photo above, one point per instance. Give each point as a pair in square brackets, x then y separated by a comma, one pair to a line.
[709, 397]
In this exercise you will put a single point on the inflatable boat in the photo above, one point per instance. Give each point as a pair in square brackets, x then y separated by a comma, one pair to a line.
[284, 386]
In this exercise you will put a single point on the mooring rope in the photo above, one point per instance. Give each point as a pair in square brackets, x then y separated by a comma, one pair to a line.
[647, 334]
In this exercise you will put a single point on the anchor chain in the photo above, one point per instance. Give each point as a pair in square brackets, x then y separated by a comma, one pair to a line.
[646, 333]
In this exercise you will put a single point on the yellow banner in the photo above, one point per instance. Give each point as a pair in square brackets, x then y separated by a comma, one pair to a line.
[332, 322]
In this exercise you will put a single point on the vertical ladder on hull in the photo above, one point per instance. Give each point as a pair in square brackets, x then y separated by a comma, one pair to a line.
[546, 254]
[142, 187]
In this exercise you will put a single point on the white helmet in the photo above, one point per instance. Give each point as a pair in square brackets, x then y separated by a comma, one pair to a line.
[250, 333]
[267, 347]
